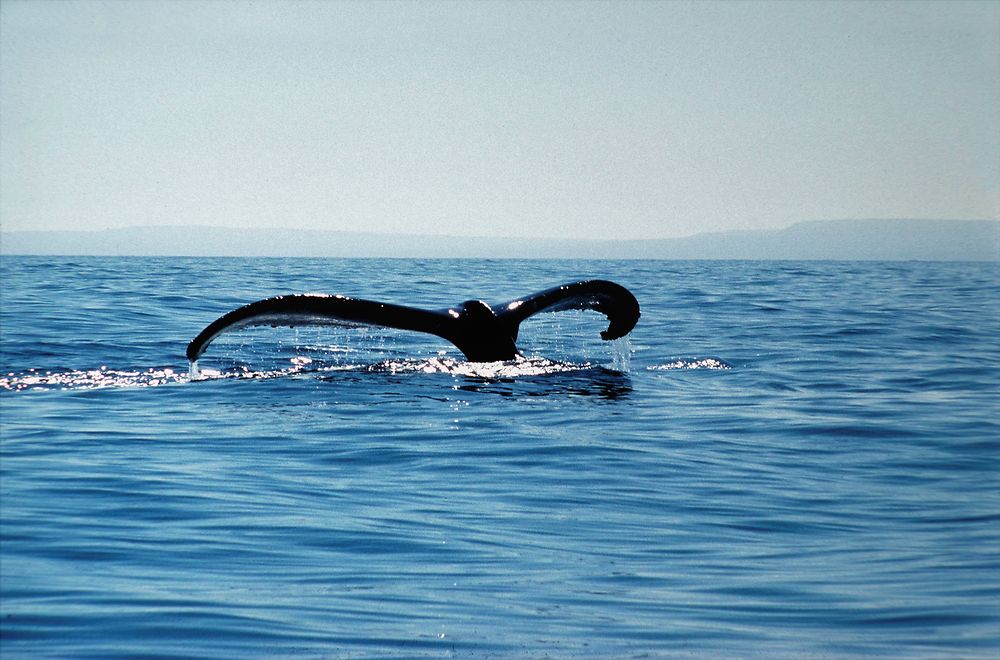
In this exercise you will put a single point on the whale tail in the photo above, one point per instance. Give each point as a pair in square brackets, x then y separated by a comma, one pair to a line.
[483, 333]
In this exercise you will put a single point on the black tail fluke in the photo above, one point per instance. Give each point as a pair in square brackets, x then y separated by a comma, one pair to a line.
[481, 332]
[317, 309]
[613, 300]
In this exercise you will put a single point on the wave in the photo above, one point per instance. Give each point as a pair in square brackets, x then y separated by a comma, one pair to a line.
[103, 377]
[696, 363]
[33, 379]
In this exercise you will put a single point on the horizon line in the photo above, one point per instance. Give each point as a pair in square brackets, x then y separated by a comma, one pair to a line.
[504, 237]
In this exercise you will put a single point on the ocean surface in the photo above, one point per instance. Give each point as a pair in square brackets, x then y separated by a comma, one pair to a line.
[783, 459]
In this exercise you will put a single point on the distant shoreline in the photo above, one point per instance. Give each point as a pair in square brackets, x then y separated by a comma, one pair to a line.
[837, 240]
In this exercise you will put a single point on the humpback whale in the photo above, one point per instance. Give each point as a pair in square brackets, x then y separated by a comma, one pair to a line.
[483, 333]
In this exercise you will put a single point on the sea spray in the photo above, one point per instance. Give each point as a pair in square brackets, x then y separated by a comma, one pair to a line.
[621, 354]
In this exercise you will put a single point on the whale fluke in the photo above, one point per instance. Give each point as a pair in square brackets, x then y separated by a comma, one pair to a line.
[483, 333]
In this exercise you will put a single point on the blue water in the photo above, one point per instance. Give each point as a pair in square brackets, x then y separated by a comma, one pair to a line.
[783, 460]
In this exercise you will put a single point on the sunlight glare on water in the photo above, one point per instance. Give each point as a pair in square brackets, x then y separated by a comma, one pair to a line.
[103, 377]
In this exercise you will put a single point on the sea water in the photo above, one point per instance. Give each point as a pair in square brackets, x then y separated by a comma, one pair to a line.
[785, 459]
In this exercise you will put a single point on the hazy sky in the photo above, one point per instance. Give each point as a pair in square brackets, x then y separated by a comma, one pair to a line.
[518, 119]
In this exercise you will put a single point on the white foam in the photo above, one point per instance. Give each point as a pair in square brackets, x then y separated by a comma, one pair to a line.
[702, 363]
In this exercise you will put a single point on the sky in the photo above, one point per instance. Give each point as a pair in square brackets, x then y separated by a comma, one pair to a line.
[536, 119]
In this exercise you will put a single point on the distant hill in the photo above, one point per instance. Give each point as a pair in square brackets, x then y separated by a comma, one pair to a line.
[862, 240]
[888, 240]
